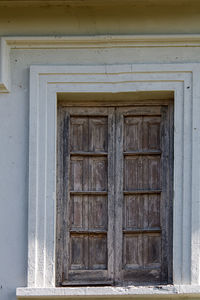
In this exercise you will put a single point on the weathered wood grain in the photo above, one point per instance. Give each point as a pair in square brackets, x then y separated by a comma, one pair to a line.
[88, 195]
[143, 132]
[114, 201]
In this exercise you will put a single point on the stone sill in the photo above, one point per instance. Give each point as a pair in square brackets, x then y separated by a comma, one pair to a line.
[98, 292]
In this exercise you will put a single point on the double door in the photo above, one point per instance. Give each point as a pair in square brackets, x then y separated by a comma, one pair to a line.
[114, 212]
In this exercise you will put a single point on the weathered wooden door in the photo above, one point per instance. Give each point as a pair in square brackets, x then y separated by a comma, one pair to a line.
[114, 219]
[87, 219]
[143, 200]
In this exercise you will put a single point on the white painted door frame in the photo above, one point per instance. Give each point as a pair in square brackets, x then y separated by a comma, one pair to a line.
[45, 83]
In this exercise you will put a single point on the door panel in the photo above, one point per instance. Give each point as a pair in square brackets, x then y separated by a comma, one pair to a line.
[141, 211]
[143, 157]
[87, 196]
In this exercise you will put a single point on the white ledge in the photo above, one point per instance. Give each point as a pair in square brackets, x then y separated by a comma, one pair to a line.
[98, 41]
[133, 291]
[104, 41]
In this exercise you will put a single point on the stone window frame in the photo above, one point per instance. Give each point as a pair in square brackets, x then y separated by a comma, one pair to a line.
[45, 83]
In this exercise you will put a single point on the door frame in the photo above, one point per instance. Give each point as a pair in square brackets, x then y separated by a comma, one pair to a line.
[45, 84]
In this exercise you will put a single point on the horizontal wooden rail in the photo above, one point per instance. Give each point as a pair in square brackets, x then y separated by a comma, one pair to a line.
[142, 153]
[142, 192]
[87, 231]
[88, 153]
[142, 230]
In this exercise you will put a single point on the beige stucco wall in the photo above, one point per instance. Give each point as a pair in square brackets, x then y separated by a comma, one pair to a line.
[139, 17]
[124, 17]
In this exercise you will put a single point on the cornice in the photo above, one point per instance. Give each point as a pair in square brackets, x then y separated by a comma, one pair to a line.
[101, 41]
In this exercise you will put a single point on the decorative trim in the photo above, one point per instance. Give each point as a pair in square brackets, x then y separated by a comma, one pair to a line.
[4, 66]
[104, 41]
[101, 41]
[45, 83]
[106, 292]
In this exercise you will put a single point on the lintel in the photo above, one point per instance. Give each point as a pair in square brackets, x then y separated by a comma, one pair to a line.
[72, 42]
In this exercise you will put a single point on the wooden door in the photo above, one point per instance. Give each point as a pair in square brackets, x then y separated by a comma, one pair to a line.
[86, 224]
[143, 205]
[114, 206]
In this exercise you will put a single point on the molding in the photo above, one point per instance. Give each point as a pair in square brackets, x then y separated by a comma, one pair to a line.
[4, 66]
[104, 292]
[79, 42]
[104, 41]
[45, 83]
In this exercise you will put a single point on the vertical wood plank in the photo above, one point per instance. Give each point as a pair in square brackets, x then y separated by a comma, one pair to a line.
[119, 195]
[111, 193]
[165, 193]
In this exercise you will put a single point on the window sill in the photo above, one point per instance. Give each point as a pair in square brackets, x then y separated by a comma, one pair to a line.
[70, 292]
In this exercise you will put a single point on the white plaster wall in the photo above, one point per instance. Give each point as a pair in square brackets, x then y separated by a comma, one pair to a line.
[14, 110]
